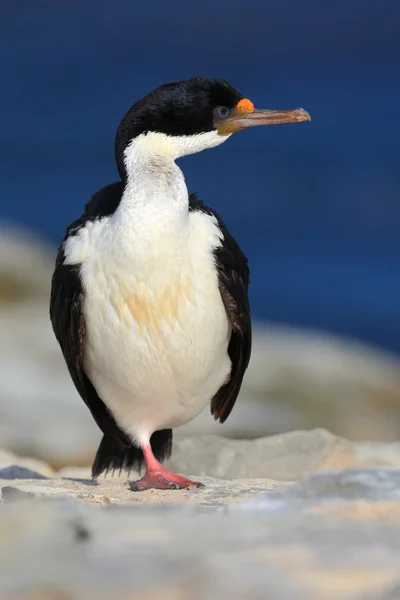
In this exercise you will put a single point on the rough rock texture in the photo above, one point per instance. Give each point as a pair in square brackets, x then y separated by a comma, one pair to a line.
[319, 519]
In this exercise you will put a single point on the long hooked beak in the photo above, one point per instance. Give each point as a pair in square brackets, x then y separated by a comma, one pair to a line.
[241, 120]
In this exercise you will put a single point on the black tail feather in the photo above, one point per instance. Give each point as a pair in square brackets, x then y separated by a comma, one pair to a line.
[113, 456]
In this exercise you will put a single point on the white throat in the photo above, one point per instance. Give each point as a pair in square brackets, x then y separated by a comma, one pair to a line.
[152, 219]
[156, 195]
[155, 189]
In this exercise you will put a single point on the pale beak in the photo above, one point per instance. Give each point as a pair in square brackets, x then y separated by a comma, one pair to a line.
[241, 120]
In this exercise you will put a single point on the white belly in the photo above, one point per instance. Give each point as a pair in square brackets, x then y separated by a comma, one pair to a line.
[156, 338]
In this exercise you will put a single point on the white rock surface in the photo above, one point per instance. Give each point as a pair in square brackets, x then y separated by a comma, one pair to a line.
[333, 533]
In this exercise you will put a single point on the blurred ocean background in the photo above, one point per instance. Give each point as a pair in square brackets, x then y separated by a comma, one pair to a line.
[315, 206]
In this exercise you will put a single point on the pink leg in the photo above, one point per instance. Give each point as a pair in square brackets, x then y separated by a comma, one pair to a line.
[158, 477]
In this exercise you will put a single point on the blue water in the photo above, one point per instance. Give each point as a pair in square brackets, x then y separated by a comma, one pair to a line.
[316, 206]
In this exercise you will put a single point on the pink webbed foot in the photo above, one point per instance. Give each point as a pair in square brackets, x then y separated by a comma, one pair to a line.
[163, 480]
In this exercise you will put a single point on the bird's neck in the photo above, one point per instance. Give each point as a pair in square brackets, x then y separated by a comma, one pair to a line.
[155, 195]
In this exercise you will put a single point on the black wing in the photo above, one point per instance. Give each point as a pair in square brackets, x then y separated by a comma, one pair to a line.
[67, 313]
[234, 278]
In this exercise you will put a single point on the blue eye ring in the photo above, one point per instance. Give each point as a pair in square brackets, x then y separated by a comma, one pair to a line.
[223, 112]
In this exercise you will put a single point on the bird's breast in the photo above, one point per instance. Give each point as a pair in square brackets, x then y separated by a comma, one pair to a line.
[161, 300]
[157, 332]
[150, 304]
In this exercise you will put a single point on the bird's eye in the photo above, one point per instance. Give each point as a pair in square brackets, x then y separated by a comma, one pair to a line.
[223, 111]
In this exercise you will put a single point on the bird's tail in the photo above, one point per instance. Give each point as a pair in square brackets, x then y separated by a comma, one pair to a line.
[112, 455]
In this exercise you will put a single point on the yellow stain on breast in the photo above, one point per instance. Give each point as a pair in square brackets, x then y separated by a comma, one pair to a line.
[151, 307]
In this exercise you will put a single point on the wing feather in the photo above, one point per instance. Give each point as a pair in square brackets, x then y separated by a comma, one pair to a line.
[234, 279]
[68, 319]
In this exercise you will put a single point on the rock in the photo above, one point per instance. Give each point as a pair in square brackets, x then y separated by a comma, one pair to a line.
[263, 464]
[11, 494]
[324, 380]
[41, 413]
[25, 264]
[216, 493]
[22, 467]
[83, 473]
[379, 453]
[286, 457]
[15, 472]
[63, 549]
[289, 456]
[334, 487]
[252, 417]
[335, 530]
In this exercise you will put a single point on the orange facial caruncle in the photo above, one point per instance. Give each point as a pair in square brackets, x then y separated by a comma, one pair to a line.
[244, 106]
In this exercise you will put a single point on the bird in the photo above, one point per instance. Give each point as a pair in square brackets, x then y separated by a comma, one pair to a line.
[149, 297]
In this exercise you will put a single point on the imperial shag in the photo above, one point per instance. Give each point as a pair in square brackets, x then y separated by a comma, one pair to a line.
[149, 298]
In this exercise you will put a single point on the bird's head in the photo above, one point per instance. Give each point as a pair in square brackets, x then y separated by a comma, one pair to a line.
[182, 118]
